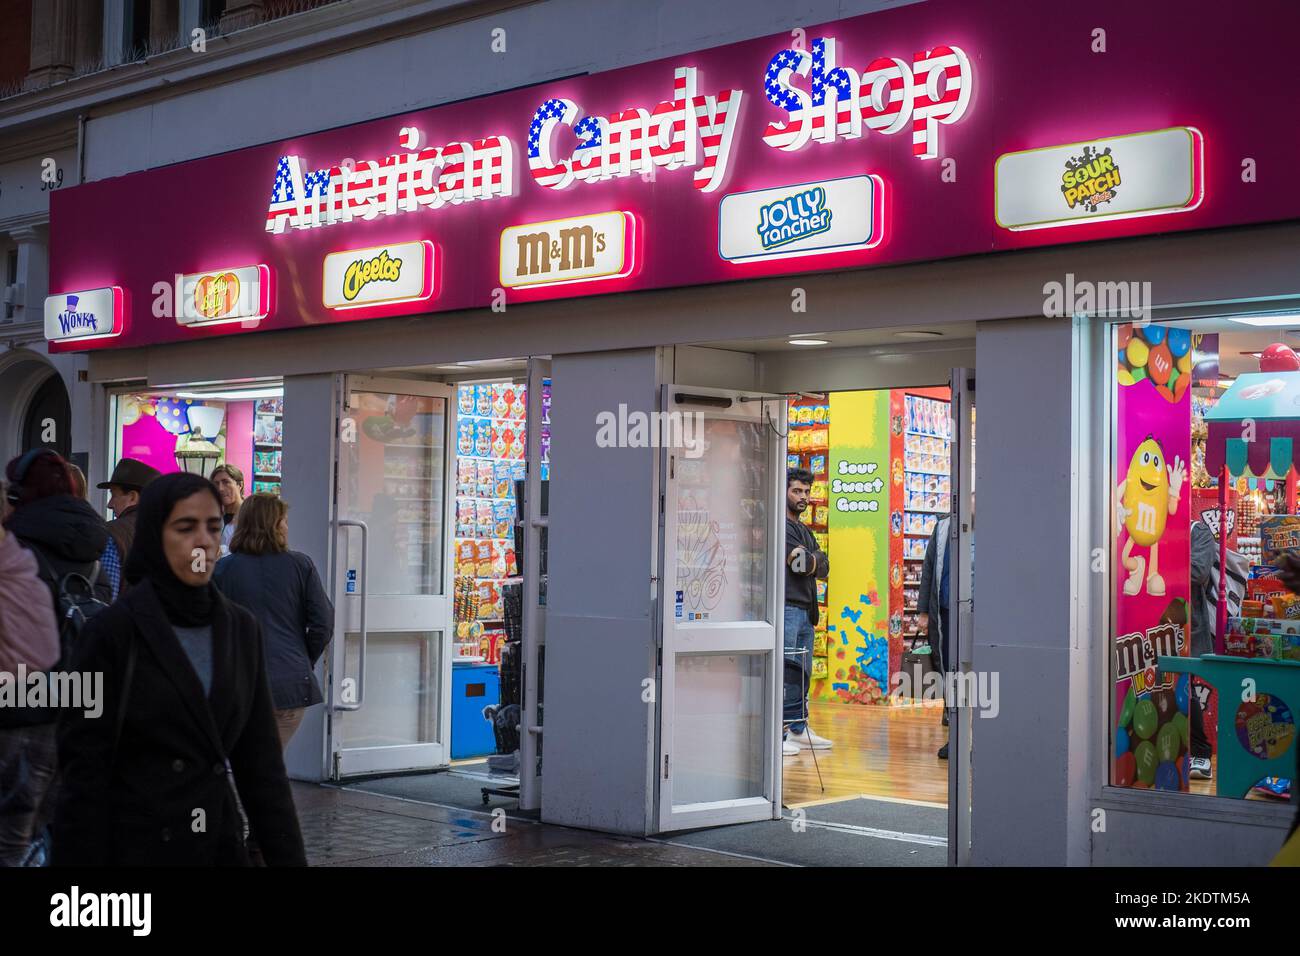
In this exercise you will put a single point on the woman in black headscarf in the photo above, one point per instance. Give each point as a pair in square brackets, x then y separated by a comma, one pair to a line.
[186, 711]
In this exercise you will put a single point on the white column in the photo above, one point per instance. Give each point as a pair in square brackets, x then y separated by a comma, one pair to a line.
[33, 272]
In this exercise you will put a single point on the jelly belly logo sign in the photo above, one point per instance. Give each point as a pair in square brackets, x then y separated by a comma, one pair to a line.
[581, 249]
[240, 294]
[888, 96]
[689, 131]
[380, 275]
[95, 314]
[1083, 182]
[808, 219]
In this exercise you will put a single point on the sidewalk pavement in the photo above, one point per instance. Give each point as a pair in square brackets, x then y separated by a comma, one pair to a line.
[347, 828]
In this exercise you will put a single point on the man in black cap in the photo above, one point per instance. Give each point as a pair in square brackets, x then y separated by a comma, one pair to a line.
[124, 487]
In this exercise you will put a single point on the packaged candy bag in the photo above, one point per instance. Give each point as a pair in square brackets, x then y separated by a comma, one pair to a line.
[483, 437]
[503, 485]
[483, 558]
[465, 399]
[483, 484]
[519, 406]
[500, 404]
[484, 522]
[465, 476]
[483, 400]
[465, 437]
[504, 513]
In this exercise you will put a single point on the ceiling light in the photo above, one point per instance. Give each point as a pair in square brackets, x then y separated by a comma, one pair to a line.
[454, 367]
[235, 395]
[809, 342]
[918, 334]
[1268, 321]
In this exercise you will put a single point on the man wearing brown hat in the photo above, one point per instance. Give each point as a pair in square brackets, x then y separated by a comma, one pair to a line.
[124, 487]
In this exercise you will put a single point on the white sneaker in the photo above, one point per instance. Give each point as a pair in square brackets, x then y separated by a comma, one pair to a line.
[810, 740]
[1200, 768]
[789, 748]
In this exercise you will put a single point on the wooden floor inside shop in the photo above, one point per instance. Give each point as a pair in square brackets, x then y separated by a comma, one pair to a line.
[884, 752]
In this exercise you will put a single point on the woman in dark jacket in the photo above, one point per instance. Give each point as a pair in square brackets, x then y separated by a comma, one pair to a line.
[187, 715]
[283, 590]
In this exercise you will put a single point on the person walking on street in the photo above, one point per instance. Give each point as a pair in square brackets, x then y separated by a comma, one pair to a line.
[129, 478]
[230, 485]
[187, 723]
[805, 565]
[29, 638]
[284, 592]
[932, 600]
[64, 539]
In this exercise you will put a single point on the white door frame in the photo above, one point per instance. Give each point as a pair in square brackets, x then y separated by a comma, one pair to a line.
[961, 614]
[534, 614]
[759, 638]
[391, 612]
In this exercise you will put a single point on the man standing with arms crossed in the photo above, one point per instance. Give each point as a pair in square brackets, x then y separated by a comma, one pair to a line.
[805, 564]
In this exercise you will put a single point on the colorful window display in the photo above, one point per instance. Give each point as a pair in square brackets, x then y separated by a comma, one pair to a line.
[881, 479]
[246, 432]
[1204, 509]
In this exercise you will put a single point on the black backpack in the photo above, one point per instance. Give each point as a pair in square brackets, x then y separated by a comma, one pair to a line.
[74, 604]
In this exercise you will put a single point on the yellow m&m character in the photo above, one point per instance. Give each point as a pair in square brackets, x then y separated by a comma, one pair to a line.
[1144, 500]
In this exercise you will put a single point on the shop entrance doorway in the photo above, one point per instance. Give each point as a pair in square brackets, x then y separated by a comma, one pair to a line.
[888, 432]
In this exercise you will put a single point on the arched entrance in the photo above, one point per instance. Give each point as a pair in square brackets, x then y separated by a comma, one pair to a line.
[48, 420]
[34, 405]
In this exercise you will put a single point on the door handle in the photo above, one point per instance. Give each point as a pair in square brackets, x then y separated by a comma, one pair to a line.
[363, 592]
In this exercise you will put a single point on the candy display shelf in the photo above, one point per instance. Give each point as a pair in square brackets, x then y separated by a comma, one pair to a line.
[927, 489]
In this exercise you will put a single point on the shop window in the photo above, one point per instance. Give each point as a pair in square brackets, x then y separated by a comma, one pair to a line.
[1205, 445]
[199, 430]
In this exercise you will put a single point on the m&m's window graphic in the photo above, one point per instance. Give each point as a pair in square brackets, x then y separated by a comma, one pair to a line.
[1162, 355]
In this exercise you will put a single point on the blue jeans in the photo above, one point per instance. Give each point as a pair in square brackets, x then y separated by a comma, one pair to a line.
[798, 638]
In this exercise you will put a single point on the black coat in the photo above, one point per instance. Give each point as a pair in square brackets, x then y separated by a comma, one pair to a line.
[285, 594]
[139, 807]
[67, 533]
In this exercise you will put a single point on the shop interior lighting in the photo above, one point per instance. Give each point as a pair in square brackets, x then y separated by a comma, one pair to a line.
[809, 342]
[234, 395]
[918, 334]
[1274, 320]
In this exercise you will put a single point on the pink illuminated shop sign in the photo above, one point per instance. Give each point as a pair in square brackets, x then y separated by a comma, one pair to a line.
[888, 96]
[919, 133]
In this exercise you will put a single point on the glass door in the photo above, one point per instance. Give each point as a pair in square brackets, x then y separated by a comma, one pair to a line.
[720, 591]
[391, 657]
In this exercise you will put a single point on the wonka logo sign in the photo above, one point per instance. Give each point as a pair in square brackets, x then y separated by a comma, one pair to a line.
[83, 315]
[688, 132]
[888, 96]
